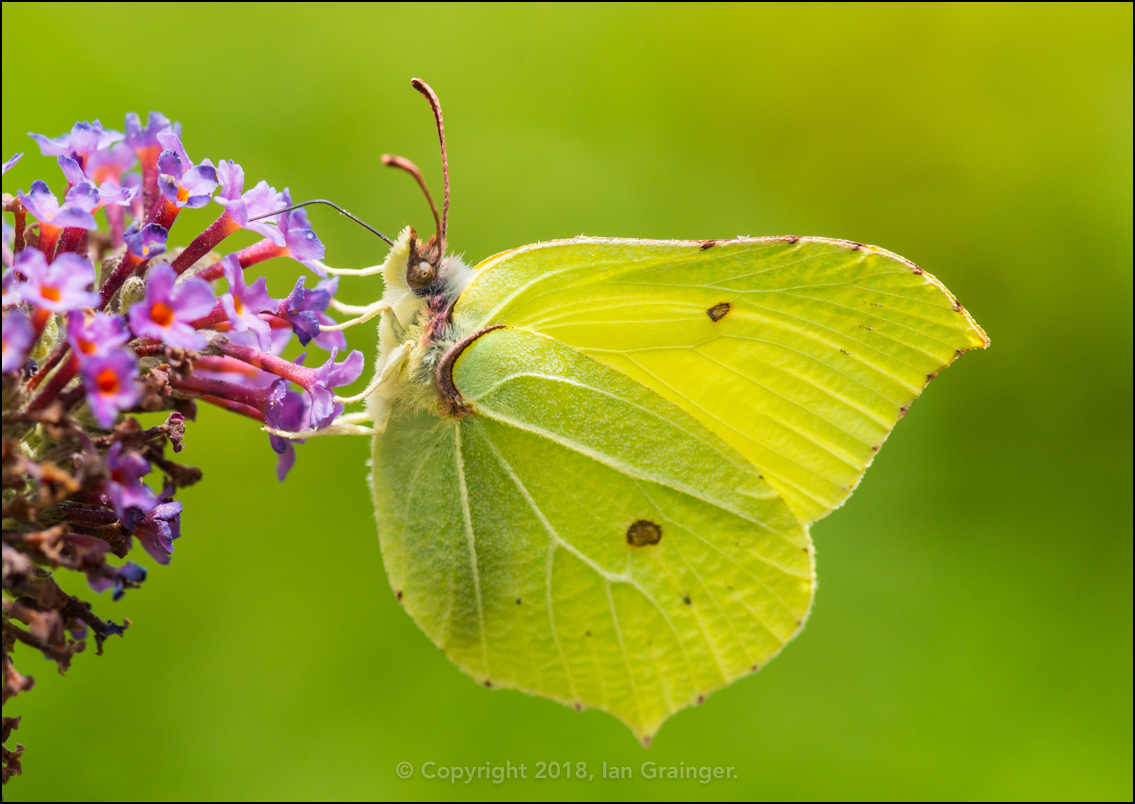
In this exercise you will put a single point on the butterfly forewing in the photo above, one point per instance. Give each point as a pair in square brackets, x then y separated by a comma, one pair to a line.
[801, 353]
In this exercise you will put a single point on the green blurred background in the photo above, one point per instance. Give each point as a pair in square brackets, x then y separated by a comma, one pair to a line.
[972, 633]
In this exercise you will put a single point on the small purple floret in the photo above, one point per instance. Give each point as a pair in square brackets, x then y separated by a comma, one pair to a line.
[303, 309]
[44, 207]
[260, 200]
[242, 303]
[85, 196]
[242, 206]
[128, 575]
[83, 139]
[11, 163]
[19, 335]
[130, 498]
[301, 240]
[110, 164]
[147, 242]
[285, 412]
[96, 336]
[71, 170]
[231, 177]
[140, 138]
[109, 381]
[59, 287]
[182, 183]
[331, 375]
[160, 527]
[11, 287]
[300, 309]
[7, 243]
[167, 312]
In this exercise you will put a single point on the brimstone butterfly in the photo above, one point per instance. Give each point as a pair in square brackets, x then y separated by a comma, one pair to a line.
[595, 460]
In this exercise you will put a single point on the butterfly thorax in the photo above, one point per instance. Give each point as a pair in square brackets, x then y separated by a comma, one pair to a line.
[416, 330]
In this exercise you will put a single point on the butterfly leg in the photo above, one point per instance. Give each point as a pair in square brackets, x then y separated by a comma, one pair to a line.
[398, 357]
[365, 314]
[348, 309]
[371, 271]
[341, 425]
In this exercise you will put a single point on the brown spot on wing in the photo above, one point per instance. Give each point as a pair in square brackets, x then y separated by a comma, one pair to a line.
[719, 311]
[643, 532]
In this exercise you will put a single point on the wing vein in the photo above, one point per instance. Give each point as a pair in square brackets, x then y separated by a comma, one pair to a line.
[472, 547]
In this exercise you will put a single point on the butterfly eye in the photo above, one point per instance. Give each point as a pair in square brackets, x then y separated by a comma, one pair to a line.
[420, 276]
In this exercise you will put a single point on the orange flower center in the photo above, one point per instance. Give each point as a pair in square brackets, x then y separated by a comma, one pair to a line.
[86, 347]
[161, 314]
[237, 305]
[107, 381]
[49, 292]
[182, 194]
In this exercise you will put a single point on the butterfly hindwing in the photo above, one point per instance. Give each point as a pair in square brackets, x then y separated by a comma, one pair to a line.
[801, 353]
[577, 536]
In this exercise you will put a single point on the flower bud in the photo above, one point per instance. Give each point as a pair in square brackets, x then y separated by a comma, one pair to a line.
[133, 290]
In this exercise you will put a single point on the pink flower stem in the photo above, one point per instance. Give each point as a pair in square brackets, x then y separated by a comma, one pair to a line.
[116, 219]
[18, 242]
[226, 364]
[216, 316]
[148, 157]
[52, 361]
[70, 240]
[164, 213]
[205, 242]
[248, 396]
[234, 407]
[48, 237]
[257, 252]
[57, 383]
[270, 363]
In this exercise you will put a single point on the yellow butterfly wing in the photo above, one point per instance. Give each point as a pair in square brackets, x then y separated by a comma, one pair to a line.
[801, 353]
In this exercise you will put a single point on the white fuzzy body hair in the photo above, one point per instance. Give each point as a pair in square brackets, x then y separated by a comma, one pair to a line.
[420, 323]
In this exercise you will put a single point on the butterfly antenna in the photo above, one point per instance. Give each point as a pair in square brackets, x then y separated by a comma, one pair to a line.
[341, 211]
[435, 105]
[402, 163]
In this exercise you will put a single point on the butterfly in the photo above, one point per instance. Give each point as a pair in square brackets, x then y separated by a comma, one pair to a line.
[595, 461]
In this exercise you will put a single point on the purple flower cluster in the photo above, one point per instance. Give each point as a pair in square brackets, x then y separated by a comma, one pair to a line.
[151, 330]
[175, 306]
